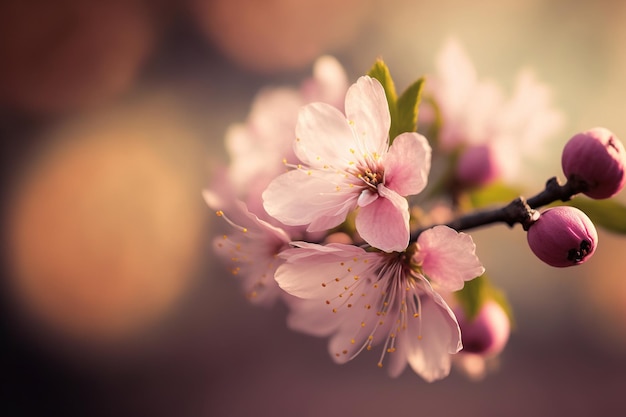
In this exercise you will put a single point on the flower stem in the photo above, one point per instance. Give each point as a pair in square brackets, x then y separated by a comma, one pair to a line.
[520, 210]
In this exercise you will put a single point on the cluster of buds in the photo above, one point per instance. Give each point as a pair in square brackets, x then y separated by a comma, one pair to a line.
[593, 162]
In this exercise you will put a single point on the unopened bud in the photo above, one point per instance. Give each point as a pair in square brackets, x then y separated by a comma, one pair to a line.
[487, 333]
[477, 166]
[595, 158]
[563, 236]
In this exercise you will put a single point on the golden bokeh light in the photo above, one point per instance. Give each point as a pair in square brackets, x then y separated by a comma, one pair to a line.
[104, 226]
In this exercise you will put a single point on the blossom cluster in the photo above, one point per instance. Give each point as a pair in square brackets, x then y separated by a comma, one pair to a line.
[319, 197]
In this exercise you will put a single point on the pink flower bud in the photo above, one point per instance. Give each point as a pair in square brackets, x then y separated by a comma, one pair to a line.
[477, 166]
[487, 333]
[563, 236]
[596, 158]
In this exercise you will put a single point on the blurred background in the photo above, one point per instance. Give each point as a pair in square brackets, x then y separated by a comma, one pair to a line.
[112, 115]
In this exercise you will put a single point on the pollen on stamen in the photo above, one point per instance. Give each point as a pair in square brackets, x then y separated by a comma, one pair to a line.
[334, 310]
[352, 341]
[219, 213]
[380, 364]
[362, 324]
[415, 315]
[324, 284]
[327, 301]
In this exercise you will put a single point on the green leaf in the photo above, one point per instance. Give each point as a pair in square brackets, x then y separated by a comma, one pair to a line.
[472, 296]
[407, 108]
[478, 291]
[493, 194]
[380, 71]
[608, 214]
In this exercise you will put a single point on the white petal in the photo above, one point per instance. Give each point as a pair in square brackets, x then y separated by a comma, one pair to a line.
[324, 137]
[367, 108]
[300, 197]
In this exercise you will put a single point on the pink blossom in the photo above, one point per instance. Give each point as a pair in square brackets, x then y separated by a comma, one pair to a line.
[362, 299]
[475, 112]
[251, 251]
[258, 147]
[347, 163]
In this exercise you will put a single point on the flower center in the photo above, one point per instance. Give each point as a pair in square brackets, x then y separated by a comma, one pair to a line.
[371, 178]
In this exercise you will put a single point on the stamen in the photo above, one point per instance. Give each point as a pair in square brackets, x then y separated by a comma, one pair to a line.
[221, 214]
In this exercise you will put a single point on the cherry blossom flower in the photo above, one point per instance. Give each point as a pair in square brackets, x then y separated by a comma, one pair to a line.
[475, 113]
[251, 250]
[362, 299]
[347, 163]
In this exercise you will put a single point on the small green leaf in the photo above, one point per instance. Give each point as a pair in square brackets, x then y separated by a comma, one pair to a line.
[609, 214]
[472, 296]
[407, 108]
[493, 194]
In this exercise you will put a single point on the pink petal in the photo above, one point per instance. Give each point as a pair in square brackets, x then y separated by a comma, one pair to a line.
[324, 137]
[384, 223]
[311, 317]
[447, 257]
[309, 266]
[431, 340]
[407, 164]
[300, 197]
[367, 108]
